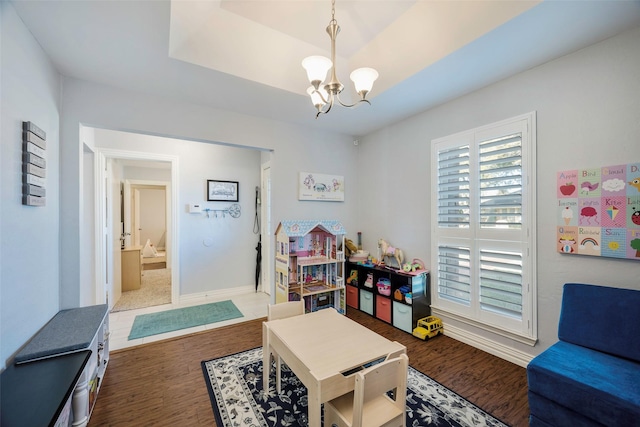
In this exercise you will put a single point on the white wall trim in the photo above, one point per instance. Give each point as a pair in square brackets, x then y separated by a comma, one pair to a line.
[492, 347]
[445, 313]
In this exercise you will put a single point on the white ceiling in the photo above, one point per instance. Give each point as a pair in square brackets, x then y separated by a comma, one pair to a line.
[245, 55]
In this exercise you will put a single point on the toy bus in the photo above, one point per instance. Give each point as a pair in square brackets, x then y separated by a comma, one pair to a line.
[428, 327]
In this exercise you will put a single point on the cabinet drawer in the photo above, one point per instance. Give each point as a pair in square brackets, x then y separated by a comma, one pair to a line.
[383, 308]
[366, 301]
[402, 317]
[352, 296]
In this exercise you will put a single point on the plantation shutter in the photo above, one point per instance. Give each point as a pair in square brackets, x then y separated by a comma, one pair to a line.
[501, 282]
[454, 273]
[483, 209]
[453, 187]
[500, 175]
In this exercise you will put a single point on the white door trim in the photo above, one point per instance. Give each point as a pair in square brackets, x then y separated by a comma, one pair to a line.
[173, 254]
[267, 278]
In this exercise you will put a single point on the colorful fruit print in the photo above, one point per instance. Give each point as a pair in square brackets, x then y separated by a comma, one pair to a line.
[567, 189]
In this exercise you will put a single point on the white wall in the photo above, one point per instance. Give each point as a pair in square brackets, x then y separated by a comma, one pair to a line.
[29, 277]
[588, 115]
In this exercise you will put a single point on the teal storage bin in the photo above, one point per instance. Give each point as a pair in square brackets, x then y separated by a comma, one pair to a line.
[366, 301]
[402, 317]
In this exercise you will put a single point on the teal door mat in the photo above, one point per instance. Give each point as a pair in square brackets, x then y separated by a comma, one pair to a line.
[145, 325]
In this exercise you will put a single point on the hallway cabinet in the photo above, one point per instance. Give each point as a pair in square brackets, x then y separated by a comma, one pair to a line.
[131, 268]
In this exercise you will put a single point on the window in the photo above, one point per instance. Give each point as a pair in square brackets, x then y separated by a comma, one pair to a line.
[483, 243]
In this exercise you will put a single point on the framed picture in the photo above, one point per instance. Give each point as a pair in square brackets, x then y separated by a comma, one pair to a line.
[222, 191]
[315, 186]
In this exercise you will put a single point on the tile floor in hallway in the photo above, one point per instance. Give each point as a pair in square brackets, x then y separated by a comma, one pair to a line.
[252, 305]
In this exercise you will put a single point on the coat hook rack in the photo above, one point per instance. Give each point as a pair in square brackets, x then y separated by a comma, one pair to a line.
[233, 211]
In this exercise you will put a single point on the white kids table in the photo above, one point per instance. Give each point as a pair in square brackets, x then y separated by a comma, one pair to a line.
[324, 349]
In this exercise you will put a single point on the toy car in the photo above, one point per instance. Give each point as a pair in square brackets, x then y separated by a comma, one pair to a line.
[428, 327]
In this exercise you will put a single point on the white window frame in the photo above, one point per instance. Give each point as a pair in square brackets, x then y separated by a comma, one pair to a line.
[522, 329]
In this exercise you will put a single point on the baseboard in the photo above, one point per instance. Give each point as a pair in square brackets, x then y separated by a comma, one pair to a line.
[217, 294]
[492, 347]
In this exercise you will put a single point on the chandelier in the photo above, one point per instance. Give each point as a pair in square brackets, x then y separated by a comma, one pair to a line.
[323, 97]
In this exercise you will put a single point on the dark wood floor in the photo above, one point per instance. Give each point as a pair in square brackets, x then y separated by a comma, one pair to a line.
[162, 384]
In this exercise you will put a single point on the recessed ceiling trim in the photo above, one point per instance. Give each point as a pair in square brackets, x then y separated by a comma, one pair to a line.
[215, 34]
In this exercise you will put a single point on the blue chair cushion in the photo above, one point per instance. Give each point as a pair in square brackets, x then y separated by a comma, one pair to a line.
[601, 387]
[601, 318]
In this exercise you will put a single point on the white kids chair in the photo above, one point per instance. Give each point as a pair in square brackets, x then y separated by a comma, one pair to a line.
[369, 405]
[282, 311]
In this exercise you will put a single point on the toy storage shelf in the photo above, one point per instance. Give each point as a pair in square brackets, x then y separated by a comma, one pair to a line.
[395, 297]
[76, 330]
[310, 264]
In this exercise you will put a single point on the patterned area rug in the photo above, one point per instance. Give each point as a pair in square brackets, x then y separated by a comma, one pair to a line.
[155, 289]
[183, 318]
[235, 389]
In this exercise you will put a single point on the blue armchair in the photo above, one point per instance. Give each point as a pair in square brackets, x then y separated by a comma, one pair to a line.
[591, 377]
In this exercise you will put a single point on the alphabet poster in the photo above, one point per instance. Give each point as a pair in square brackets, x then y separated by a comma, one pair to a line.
[598, 211]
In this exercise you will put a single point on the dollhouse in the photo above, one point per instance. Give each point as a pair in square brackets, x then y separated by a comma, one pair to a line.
[310, 263]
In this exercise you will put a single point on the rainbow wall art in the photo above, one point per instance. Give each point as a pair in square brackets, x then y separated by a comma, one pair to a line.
[598, 211]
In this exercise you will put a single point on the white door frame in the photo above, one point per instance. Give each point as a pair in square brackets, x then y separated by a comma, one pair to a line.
[267, 239]
[173, 254]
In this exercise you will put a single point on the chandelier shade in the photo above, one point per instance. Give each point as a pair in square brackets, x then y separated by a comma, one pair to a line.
[363, 79]
[322, 95]
[317, 68]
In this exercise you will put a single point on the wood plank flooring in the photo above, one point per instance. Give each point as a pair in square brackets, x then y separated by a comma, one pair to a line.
[161, 383]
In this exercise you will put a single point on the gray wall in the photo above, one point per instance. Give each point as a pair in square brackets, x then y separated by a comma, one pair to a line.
[588, 115]
[29, 251]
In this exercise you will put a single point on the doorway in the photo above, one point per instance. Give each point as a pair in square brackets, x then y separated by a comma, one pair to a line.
[114, 167]
[145, 215]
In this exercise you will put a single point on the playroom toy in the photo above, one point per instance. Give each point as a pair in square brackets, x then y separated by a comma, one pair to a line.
[415, 265]
[359, 256]
[388, 251]
[350, 247]
[428, 327]
[353, 278]
[408, 297]
[399, 294]
[369, 282]
[384, 286]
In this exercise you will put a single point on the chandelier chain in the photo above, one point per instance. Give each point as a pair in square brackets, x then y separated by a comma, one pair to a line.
[333, 12]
